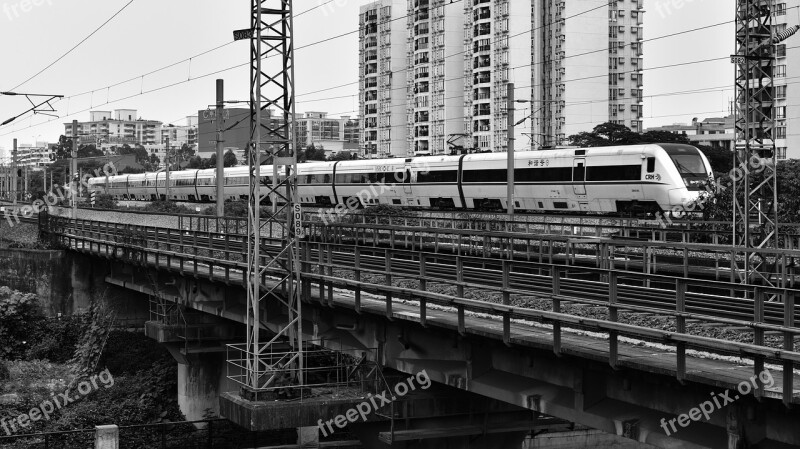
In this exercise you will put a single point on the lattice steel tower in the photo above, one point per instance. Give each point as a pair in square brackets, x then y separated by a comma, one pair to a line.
[755, 214]
[272, 89]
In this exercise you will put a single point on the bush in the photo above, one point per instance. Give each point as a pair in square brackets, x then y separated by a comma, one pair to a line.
[4, 374]
[126, 353]
[105, 201]
[167, 207]
[20, 313]
[55, 339]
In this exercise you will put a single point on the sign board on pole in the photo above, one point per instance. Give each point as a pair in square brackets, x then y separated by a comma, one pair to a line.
[298, 221]
[242, 34]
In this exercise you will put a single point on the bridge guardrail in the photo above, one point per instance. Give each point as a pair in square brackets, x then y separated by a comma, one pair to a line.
[326, 262]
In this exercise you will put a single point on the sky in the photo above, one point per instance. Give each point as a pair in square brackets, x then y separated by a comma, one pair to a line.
[115, 68]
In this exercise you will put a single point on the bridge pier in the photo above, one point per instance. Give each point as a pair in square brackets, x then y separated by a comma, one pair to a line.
[200, 382]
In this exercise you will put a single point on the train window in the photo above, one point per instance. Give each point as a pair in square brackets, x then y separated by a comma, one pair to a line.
[549, 174]
[438, 176]
[579, 172]
[560, 205]
[651, 164]
[614, 173]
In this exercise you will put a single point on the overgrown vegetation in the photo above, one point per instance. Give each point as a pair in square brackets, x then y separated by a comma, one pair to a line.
[60, 351]
[19, 312]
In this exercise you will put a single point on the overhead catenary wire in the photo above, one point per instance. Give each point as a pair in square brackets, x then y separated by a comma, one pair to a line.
[71, 49]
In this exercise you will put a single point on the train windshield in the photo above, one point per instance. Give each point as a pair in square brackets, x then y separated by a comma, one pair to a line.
[690, 165]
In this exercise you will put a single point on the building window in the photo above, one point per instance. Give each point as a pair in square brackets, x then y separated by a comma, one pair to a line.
[780, 132]
[781, 152]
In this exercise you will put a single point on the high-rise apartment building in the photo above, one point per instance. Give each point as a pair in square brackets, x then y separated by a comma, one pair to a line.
[382, 78]
[786, 113]
[574, 65]
[497, 50]
[587, 67]
[435, 75]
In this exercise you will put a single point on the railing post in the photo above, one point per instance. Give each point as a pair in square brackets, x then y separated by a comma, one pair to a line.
[423, 308]
[680, 327]
[357, 275]
[506, 274]
[758, 339]
[788, 345]
[556, 274]
[613, 337]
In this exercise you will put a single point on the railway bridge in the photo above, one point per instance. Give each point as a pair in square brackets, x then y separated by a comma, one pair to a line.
[656, 341]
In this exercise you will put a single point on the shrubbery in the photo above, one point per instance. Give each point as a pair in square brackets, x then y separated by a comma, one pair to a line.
[20, 313]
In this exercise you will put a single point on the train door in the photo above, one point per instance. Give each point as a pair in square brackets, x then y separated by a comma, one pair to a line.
[579, 176]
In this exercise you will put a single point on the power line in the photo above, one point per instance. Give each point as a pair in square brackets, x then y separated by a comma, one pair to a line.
[73, 48]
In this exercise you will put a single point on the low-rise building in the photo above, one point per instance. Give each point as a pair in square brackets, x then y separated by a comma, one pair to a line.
[105, 129]
[716, 132]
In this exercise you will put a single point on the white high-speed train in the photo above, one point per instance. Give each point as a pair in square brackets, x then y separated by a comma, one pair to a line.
[636, 178]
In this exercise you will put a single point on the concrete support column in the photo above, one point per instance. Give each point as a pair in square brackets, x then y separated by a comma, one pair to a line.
[106, 437]
[200, 383]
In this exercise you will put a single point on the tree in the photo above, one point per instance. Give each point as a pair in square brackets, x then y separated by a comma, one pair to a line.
[185, 152]
[341, 156]
[663, 137]
[196, 162]
[89, 151]
[63, 149]
[585, 139]
[721, 160]
[229, 160]
[605, 134]
[311, 153]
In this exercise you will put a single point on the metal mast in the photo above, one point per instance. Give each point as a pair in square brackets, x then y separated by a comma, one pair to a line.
[755, 214]
[272, 110]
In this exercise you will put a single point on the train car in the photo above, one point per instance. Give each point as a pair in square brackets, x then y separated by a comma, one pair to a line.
[435, 182]
[636, 178]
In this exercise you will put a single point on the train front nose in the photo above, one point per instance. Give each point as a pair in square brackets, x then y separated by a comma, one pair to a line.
[685, 199]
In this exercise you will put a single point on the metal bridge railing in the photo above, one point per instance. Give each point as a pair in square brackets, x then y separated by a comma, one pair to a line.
[370, 260]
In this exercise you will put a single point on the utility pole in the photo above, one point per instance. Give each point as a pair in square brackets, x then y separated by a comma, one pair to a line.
[27, 185]
[14, 172]
[166, 163]
[510, 164]
[74, 168]
[220, 163]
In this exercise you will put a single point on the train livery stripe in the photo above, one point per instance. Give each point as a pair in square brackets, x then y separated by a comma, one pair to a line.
[333, 183]
[460, 186]
[196, 193]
